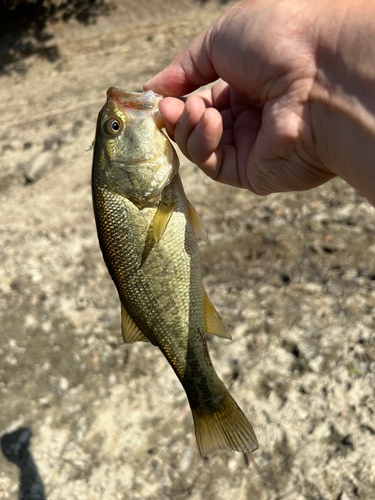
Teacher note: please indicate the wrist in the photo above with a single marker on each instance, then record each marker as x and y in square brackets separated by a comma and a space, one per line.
[342, 99]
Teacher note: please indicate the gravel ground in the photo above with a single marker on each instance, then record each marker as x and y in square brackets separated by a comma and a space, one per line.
[293, 276]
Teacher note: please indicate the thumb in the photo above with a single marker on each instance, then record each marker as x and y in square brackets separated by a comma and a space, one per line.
[190, 69]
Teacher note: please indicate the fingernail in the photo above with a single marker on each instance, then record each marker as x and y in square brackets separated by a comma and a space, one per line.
[185, 114]
[201, 124]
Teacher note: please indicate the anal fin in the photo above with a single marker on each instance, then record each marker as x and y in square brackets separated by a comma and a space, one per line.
[197, 223]
[213, 321]
[130, 332]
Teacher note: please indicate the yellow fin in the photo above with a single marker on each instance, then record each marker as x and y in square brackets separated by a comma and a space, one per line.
[213, 321]
[223, 427]
[161, 219]
[197, 223]
[130, 332]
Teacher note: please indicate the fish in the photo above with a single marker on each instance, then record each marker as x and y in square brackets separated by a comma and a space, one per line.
[148, 234]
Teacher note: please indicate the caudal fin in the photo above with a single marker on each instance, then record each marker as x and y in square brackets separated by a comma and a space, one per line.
[224, 427]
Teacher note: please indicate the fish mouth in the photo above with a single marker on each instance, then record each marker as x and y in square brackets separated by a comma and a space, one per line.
[120, 96]
[138, 105]
[135, 100]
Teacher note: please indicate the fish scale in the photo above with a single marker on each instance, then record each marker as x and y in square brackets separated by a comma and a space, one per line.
[147, 232]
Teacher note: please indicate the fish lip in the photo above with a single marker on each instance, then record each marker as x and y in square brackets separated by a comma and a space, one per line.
[116, 98]
[138, 105]
[117, 95]
[136, 100]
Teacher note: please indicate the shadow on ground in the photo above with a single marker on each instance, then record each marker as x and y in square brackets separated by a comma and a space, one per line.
[25, 27]
[15, 448]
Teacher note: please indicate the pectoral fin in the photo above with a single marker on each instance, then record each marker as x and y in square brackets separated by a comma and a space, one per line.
[130, 332]
[213, 322]
[197, 223]
[161, 219]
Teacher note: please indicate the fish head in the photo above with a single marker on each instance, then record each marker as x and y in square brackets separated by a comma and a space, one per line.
[132, 156]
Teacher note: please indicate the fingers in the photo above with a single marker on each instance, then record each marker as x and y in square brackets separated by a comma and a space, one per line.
[198, 130]
[188, 127]
[204, 139]
[171, 110]
[205, 144]
[218, 96]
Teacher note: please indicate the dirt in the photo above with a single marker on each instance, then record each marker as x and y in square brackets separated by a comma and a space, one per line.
[293, 276]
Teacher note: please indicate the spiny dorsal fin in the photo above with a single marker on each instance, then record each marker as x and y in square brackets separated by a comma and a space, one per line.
[197, 223]
[130, 332]
[213, 321]
[161, 219]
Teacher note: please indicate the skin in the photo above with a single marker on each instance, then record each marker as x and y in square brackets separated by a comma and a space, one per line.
[294, 105]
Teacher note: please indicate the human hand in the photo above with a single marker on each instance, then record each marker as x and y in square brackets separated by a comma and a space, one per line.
[267, 124]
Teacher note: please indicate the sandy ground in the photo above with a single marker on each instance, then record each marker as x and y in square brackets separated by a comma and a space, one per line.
[293, 276]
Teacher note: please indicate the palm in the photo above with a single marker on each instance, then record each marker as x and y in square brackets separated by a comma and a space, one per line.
[271, 147]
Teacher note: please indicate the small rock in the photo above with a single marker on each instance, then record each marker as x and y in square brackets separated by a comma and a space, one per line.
[292, 495]
[312, 287]
[321, 217]
[240, 330]
[186, 459]
[41, 165]
[46, 327]
[344, 496]
[316, 363]
[12, 344]
[45, 401]
[30, 321]
[64, 384]
[11, 360]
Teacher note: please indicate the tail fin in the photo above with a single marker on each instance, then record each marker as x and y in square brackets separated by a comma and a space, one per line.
[224, 427]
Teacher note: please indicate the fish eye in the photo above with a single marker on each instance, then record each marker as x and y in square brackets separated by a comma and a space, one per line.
[113, 126]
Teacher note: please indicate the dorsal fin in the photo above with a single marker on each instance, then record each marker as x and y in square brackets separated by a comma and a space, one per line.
[213, 321]
[130, 331]
[161, 219]
[197, 223]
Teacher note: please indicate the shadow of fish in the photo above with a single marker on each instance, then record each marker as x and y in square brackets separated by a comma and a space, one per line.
[148, 235]
[15, 448]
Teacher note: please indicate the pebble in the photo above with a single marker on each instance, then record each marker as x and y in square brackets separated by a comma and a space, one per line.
[316, 363]
[11, 360]
[41, 165]
[64, 384]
